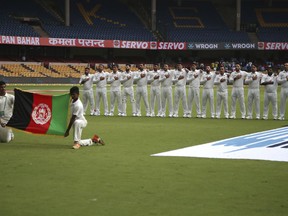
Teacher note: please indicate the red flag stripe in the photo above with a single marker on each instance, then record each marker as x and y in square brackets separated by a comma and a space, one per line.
[41, 114]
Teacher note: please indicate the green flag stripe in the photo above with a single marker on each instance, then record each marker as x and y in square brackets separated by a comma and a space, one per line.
[60, 105]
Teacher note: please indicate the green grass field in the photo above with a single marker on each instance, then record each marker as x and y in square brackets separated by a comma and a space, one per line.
[43, 176]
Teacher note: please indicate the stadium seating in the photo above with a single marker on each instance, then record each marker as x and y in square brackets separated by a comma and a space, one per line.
[34, 69]
[97, 19]
[196, 21]
[19, 70]
[104, 22]
[193, 21]
[9, 25]
[270, 19]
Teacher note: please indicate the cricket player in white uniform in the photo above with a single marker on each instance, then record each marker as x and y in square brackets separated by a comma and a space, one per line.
[127, 79]
[79, 122]
[88, 96]
[208, 91]
[237, 78]
[193, 80]
[270, 94]
[253, 79]
[179, 80]
[166, 90]
[283, 81]
[100, 79]
[155, 91]
[6, 111]
[141, 79]
[221, 80]
[115, 90]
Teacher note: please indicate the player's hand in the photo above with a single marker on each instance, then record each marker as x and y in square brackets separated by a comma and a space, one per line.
[195, 75]
[222, 80]
[128, 77]
[156, 77]
[142, 75]
[102, 78]
[208, 78]
[237, 76]
[254, 77]
[167, 75]
[116, 77]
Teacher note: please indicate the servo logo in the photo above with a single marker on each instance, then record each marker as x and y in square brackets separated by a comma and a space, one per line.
[41, 114]
[266, 145]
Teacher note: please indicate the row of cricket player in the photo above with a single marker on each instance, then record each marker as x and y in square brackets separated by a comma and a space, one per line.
[162, 81]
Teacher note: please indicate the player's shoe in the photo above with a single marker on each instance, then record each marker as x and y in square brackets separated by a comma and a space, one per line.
[96, 113]
[76, 146]
[97, 139]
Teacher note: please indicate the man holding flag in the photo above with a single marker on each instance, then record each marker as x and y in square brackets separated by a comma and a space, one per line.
[6, 110]
[39, 114]
[78, 122]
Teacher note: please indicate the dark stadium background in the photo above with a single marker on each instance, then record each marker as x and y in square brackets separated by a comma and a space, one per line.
[213, 31]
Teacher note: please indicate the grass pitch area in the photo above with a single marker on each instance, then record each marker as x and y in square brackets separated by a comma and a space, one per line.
[44, 176]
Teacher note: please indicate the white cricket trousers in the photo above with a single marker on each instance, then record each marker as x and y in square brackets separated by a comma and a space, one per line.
[101, 93]
[208, 94]
[270, 98]
[166, 95]
[77, 130]
[128, 92]
[253, 96]
[142, 92]
[115, 96]
[88, 97]
[180, 94]
[222, 98]
[238, 93]
[193, 95]
[6, 134]
[283, 97]
[155, 95]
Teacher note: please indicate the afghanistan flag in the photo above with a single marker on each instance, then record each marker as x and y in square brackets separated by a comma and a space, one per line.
[40, 114]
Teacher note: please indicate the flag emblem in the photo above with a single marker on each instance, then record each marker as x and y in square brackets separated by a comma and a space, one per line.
[41, 114]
